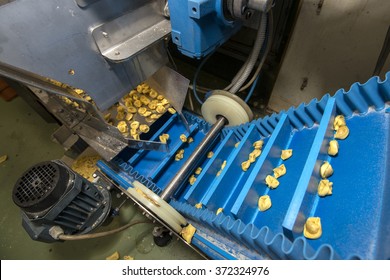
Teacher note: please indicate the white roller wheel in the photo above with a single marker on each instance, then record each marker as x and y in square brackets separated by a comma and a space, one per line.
[159, 211]
[172, 211]
[225, 104]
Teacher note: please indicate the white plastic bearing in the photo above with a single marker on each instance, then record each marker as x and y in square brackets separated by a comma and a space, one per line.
[225, 104]
[162, 210]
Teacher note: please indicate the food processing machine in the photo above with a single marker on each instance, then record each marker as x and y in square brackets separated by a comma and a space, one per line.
[290, 185]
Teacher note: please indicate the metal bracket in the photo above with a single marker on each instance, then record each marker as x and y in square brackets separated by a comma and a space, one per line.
[173, 86]
[128, 35]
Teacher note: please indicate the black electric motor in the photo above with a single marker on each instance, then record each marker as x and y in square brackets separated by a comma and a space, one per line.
[50, 194]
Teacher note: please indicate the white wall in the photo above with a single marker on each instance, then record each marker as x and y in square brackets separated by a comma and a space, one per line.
[333, 50]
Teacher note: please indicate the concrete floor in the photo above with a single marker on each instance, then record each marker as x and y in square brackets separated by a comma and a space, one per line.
[25, 139]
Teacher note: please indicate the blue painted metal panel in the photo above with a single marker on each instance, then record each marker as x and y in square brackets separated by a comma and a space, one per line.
[199, 26]
[355, 218]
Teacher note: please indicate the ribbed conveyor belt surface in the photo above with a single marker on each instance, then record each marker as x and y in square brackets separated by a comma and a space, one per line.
[355, 218]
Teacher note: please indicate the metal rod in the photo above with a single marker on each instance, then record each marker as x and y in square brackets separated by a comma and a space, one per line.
[47, 85]
[32, 79]
[199, 151]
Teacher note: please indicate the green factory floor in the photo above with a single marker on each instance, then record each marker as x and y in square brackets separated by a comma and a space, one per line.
[26, 139]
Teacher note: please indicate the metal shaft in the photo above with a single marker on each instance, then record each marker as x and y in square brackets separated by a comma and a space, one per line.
[260, 5]
[31, 79]
[199, 151]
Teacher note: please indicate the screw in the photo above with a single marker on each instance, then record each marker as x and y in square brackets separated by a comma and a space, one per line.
[117, 53]
[105, 34]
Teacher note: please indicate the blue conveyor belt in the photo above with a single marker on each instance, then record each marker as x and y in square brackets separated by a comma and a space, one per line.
[355, 218]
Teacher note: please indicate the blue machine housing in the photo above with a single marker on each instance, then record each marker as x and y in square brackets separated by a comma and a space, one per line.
[355, 218]
[199, 26]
